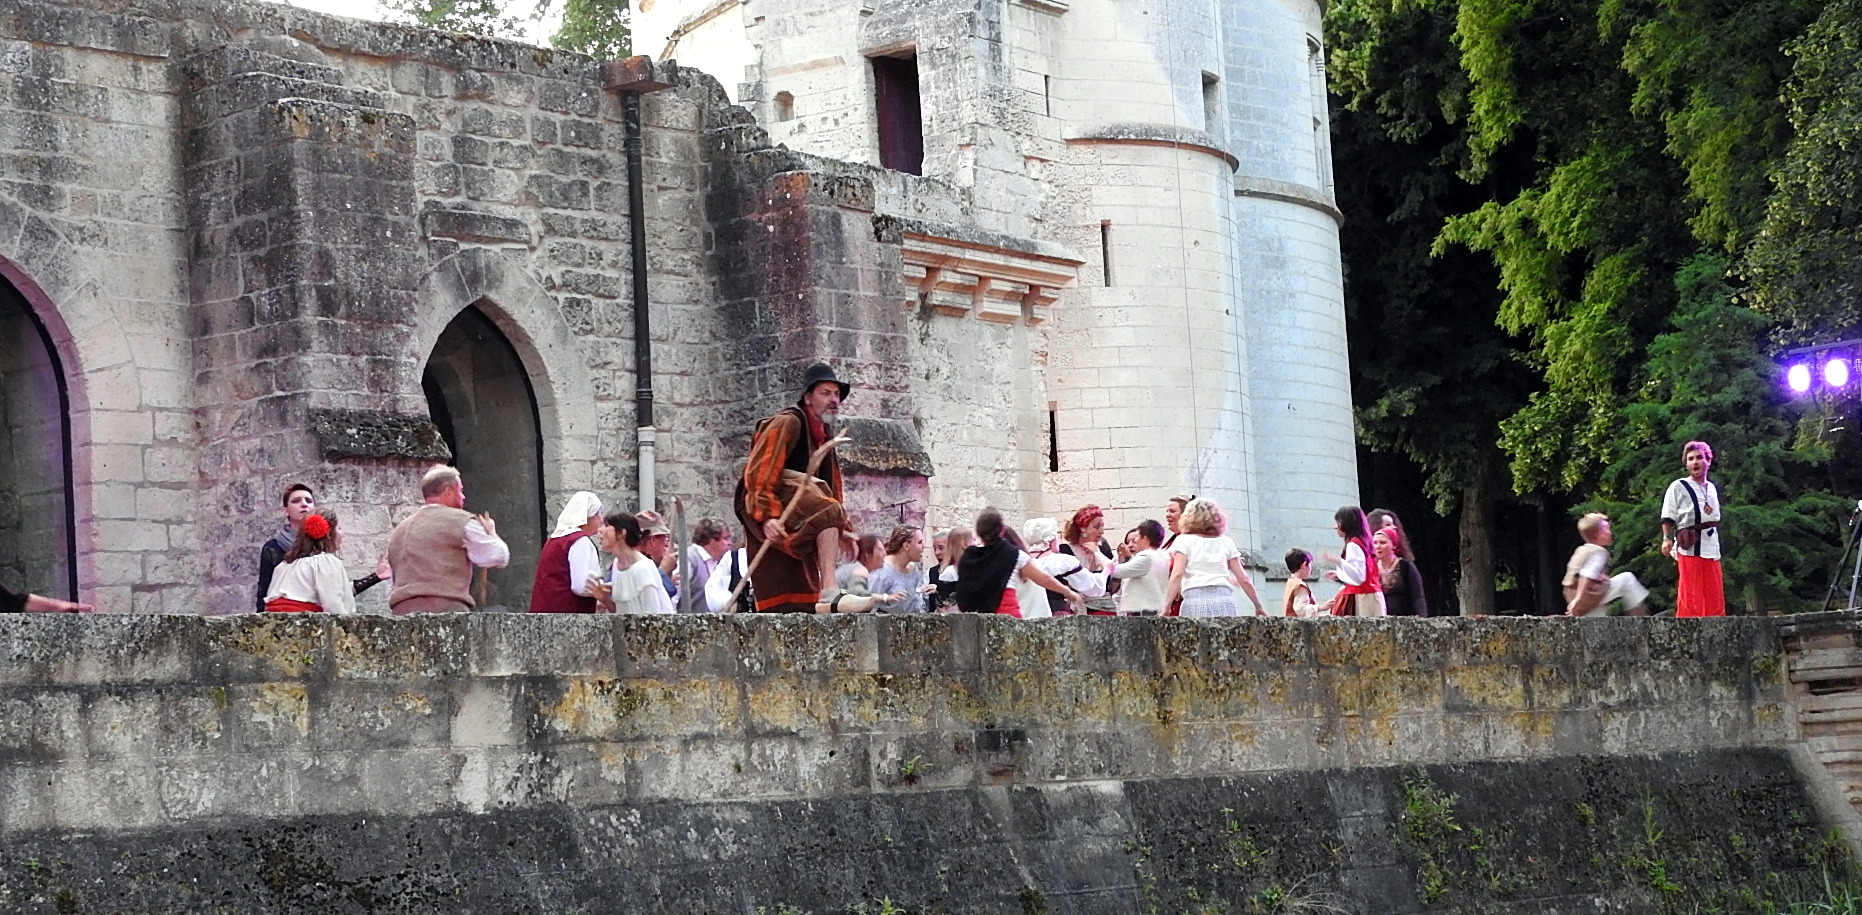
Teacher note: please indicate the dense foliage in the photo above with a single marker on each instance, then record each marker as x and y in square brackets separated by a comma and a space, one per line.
[598, 28]
[1612, 163]
[1806, 263]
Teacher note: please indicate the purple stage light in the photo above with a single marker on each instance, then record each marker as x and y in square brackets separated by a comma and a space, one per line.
[1798, 377]
[1836, 372]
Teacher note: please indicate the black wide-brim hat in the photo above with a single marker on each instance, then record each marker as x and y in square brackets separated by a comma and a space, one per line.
[820, 372]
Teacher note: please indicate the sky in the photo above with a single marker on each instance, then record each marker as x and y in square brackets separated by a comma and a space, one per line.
[538, 32]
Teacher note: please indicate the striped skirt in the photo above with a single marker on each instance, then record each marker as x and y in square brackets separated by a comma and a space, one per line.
[1214, 600]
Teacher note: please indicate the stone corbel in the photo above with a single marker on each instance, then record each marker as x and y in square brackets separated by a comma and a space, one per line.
[995, 279]
[1036, 301]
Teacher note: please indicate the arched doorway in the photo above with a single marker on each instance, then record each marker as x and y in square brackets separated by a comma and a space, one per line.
[38, 543]
[479, 395]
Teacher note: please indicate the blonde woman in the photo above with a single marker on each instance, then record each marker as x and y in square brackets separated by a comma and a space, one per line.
[1205, 566]
[957, 540]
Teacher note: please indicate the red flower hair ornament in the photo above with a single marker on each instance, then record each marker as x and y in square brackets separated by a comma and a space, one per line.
[316, 527]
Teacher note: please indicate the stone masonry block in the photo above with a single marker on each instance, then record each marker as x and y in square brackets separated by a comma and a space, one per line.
[106, 795]
[368, 716]
[544, 645]
[162, 721]
[96, 650]
[41, 725]
[649, 646]
[388, 649]
[262, 648]
[264, 718]
[797, 645]
[1486, 686]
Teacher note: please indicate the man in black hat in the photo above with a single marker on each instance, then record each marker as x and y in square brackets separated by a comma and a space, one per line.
[797, 574]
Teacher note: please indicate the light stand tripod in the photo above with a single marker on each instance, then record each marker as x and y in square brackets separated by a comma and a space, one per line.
[1855, 576]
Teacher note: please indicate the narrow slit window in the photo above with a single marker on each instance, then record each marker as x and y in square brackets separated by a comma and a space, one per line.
[1321, 133]
[1105, 249]
[1212, 105]
[1047, 95]
[900, 114]
[1053, 438]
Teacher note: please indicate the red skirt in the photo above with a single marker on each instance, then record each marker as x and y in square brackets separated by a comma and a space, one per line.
[1010, 605]
[287, 605]
[1701, 591]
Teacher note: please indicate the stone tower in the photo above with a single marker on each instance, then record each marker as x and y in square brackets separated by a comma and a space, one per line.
[1137, 291]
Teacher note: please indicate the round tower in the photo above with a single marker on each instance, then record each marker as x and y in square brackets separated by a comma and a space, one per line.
[1150, 358]
[1291, 287]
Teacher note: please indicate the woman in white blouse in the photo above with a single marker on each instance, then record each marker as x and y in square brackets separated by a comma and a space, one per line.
[1363, 589]
[633, 584]
[1205, 566]
[311, 579]
[1144, 570]
[1691, 534]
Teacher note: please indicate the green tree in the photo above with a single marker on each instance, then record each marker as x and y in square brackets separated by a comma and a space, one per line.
[1805, 265]
[1585, 247]
[1606, 145]
[1432, 372]
[598, 28]
[487, 18]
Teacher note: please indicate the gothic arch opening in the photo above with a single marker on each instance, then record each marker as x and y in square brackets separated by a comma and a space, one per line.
[480, 396]
[38, 541]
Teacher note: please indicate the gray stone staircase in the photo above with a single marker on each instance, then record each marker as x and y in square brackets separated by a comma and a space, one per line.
[1823, 657]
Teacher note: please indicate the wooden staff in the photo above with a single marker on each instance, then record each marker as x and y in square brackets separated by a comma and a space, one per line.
[814, 463]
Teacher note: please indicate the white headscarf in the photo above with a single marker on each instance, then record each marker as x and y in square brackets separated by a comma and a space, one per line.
[582, 506]
[1038, 533]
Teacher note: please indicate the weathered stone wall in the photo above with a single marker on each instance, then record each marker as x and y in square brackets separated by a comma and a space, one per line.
[91, 234]
[951, 763]
[247, 227]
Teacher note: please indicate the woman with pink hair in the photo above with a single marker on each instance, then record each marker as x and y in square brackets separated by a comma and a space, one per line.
[1691, 534]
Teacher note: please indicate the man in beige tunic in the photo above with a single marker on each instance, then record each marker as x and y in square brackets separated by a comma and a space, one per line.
[439, 544]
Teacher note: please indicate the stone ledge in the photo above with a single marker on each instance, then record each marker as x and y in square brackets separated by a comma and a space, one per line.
[1287, 192]
[885, 446]
[364, 434]
[473, 226]
[1170, 135]
[1832, 622]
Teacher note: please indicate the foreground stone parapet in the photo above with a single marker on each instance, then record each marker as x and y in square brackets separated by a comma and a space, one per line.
[815, 762]
[143, 723]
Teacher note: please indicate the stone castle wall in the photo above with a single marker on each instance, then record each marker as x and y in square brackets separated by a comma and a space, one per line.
[951, 764]
[1182, 144]
[247, 229]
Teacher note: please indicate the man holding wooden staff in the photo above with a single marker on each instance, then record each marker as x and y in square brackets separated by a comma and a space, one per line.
[792, 467]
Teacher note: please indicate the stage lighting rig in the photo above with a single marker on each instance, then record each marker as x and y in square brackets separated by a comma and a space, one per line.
[1825, 369]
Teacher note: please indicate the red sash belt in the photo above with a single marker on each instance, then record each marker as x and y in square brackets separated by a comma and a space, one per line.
[287, 605]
